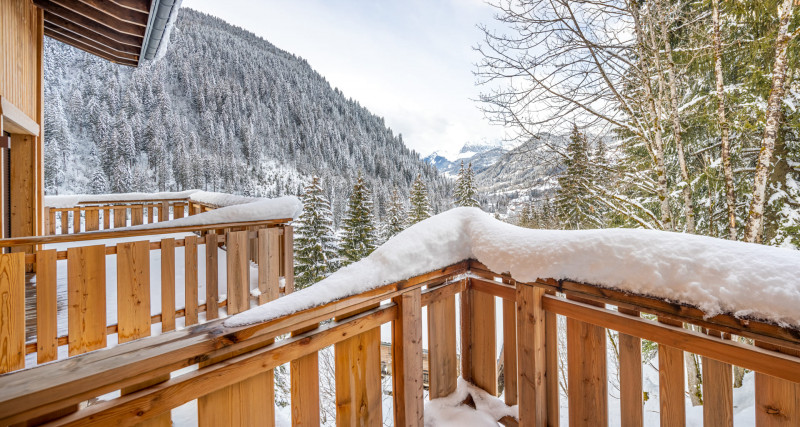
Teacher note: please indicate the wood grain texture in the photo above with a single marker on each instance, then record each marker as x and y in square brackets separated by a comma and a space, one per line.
[777, 400]
[167, 284]
[586, 375]
[407, 385]
[238, 271]
[288, 258]
[22, 185]
[12, 312]
[92, 220]
[65, 222]
[358, 380]
[46, 309]
[86, 298]
[442, 357]
[212, 277]
[268, 264]
[304, 372]
[106, 219]
[190, 275]
[120, 217]
[671, 384]
[133, 290]
[551, 368]
[177, 211]
[630, 378]
[509, 352]
[137, 215]
[531, 378]
[482, 340]
[717, 391]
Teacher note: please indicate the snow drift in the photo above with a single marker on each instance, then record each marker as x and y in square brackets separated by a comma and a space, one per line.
[714, 275]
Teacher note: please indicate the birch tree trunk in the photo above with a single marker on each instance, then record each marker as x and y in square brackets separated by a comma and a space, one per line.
[688, 204]
[755, 223]
[650, 102]
[730, 195]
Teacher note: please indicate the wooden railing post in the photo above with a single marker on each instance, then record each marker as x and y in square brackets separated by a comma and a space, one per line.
[717, 391]
[288, 258]
[479, 339]
[531, 377]
[86, 288]
[672, 396]
[777, 400]
[358, 377]
[586, 375]
[442, 357]
[407, 360]
[12, 311]
[630, 377]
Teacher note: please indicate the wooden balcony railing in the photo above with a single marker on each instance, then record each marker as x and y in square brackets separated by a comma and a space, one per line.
[233, 379]
[92, 215]
[64, 305]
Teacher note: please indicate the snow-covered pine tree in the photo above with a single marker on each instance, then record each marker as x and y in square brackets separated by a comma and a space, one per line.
[395, 216]
[466, 193]
[420, 205]
[358, 225]
[572, 202]
[315, 251]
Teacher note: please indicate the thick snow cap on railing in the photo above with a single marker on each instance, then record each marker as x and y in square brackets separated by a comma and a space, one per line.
[714, 275]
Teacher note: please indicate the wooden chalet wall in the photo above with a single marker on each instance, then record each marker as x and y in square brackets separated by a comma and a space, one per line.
[21, 79]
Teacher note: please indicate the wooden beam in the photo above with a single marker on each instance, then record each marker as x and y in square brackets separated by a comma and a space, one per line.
[92, 17]
[85, 43]
[12, 312]
[630, 377]
[15, 121]
[407, 360]
[68, 15]
[119, 12]
[137, 5]
[442, 357]
[57, 21]
[89, 49]
[587, 385]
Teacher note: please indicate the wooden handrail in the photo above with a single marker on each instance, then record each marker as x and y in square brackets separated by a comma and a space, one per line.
[128, 232]
[46, 388]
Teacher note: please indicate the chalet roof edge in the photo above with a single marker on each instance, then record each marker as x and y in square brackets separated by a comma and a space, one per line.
[163, 14]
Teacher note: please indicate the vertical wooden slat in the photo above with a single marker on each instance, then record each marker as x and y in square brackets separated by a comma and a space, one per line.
[137, 215]
[212, 277]
[46, 310]
[106, 218]
[532, 384]
[190, 275]
[288, 258]
[551, 368]
[630, 377]
[268, 264]
[133, 308]
[163, 212]
[777, 400]
[92, 219]
[442, 358]
[177, 210]
[407, 387]
[86, 285]
[133, 290]
[120, 217]
[358, 378]
[76, 220]
[238, 271]
[586, 376]
[12, 311]
[671, 385]
[480, 365]
[510, 352]
[167, 284]
[51, 221]
[717, 391]
[150, 216]
[304, 374]
[64, 222]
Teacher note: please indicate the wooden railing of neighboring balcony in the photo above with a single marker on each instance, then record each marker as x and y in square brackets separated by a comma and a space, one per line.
[92, 215]
[267, 242]
[234, 380]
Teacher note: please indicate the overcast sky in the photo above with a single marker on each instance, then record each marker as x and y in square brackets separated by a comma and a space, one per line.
[410, 61]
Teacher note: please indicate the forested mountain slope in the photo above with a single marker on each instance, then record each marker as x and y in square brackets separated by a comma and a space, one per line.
[223, 110]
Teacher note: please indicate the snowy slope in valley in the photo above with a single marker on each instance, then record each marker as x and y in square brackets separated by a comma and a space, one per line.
[715, 275]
